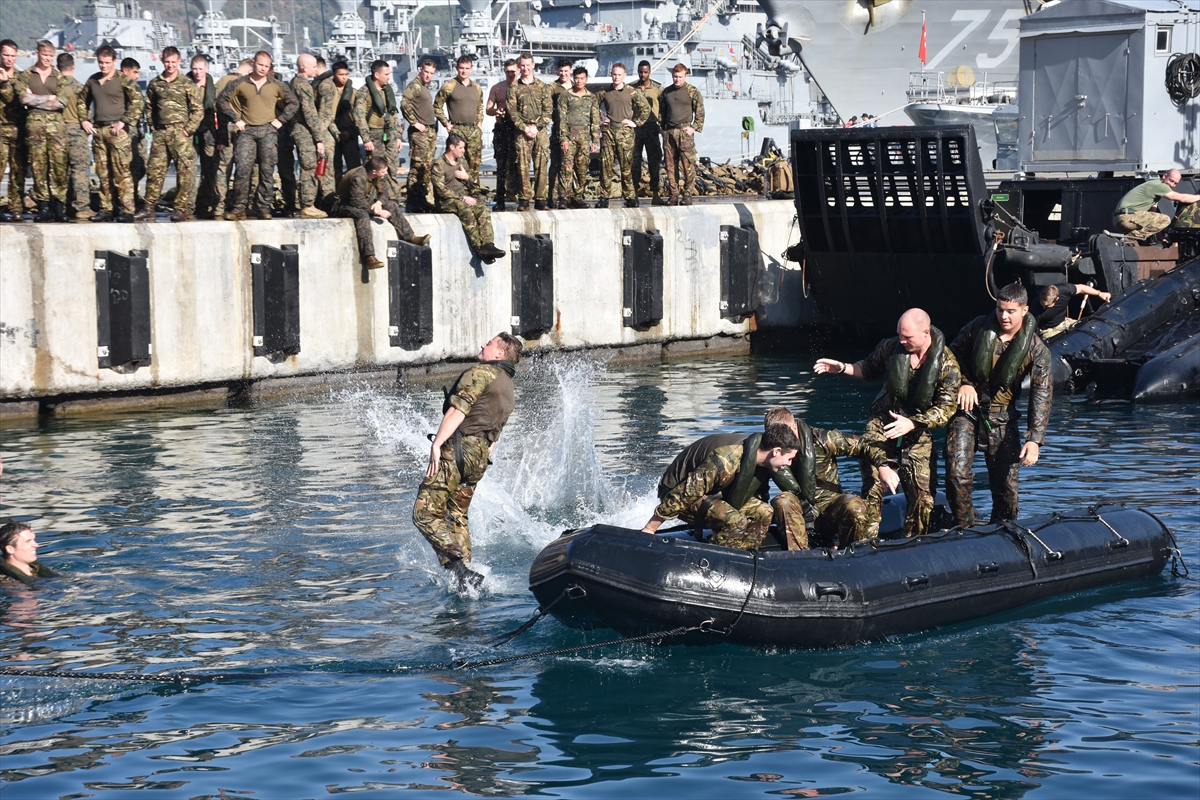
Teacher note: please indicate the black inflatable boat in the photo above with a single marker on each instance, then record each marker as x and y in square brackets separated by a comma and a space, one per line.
[635, 583]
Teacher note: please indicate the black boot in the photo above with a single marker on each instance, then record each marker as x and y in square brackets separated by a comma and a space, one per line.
[44, 214]
[59, 211]
[464, 575]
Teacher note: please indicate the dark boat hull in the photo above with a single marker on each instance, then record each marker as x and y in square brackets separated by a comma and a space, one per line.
[634, 583]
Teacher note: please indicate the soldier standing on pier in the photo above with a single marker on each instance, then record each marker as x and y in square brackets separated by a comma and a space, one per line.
[204, 197]
[919, 394]
[226, 140]
[996, 352]
[559, 87]
[46, 141]
[335, 102]
[79, 150]
[530, 108]
[476, 410]
[132, 69]
[459, 107]
[258, 106]
[648, 136]
[503, 134]
[416, 104]
[682, 108]
[12, 120]
[378, 119]
[624, 109]
[116, 105]
[577, 118]
[306, 133]
[454, 193]
[176, 107]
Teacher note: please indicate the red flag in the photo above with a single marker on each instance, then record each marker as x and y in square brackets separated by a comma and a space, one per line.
[921, 53]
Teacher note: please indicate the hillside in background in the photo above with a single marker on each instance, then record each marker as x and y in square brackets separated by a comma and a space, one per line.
[25, 21]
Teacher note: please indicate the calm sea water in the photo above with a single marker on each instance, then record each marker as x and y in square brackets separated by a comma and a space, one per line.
[278, 538]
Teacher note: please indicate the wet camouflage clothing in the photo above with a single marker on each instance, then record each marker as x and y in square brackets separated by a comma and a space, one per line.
[222, 180]
[999, 438]
[12, 148]
[355, 195]
[176, 109]
[648, 139]
[449, 191]
[679, 149]
[914, 450]
[112, 151]
[578, 122]
[45, 138]
[470, 123]
[617, 140]
[440, 510]
[840, 518]
[531, 104]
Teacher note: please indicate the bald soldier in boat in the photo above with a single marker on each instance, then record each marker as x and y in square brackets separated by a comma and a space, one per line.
[919, 394]
[718, 487]
[997, 351]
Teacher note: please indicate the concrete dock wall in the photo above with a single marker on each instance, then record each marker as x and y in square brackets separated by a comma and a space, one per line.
[202, 305]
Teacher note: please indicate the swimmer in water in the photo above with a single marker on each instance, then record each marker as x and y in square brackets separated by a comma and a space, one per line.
[19, 545]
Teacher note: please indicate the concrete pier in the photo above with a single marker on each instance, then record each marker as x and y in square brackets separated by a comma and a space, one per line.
[201, 300]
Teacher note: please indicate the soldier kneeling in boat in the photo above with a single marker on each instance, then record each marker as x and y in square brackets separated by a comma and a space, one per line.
[18, 544]
[718, 487]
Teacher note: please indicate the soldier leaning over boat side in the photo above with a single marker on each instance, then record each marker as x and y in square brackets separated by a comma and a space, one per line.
[996, 352]
[476, 409]
[718, 488]
[12, 123]
[919, 394]
[1135, 214]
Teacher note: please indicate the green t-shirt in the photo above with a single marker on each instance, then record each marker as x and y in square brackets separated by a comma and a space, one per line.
[1144, 197]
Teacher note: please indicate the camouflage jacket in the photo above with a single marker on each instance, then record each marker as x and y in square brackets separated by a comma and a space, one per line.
[177, 102]
[74, 112]
[1037, 365]
[573, 112]
[20, 84]
[308, 116]
[364, 109]
[443, 95]
[530, 104]
[339, 111]
[641, 109]
[697, 104]
[416, 104]
[717, 473]
[827, 446]
[357, 190]
[134, 103]
[945, 393]
[12, 112]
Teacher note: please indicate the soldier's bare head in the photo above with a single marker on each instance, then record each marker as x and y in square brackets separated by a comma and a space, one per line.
[778, 447]
[200, 67]
[1012, 301]
[913, 330]
[778, 415]
[502, 347]
[66, 63]
[262, 64]
[376, 166]
[1172, 178]
[106, 59]
[8, 54]
[306, 65]
[381, 73]
[170, 61]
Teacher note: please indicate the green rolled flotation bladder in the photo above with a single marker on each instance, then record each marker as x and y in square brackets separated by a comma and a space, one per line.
[916, 394]
[1009, 366]
[745, 484]
[804, 465]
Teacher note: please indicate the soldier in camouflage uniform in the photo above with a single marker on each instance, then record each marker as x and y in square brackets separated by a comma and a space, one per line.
[454, 194]
[416, 104]
[132, 69]
[842, 518]
[722, 491]
[79, 150]
[504, 135]
[530, 110]
[12, 120]
[996, 352]
[176, 108]
[557, 88]
[258, 106]
[648, 137]
[116, 104]
[378, 120]
[577, 118]
[226, 141]
[307, 131]
[204, 197]
[476, 410]
[363, 193]
[915, 399]
[335, 102]
[465, 114]
[681, 107]
[623, 108]
[45, 96]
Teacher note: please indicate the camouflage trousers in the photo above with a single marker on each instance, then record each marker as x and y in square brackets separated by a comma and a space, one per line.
[679, 152]
[363, 225]
[222, 181]
[473, 138]
[537, 151]
[172, 143]
[301, 149]
[649, 139]
[1143, 224]
[203, 200]
[440, 512]
[573, 174]
[46, 143]
[916, 477]
[112, 153]
[476, 220]
[504, 147]
[79, 169]
[391, 152]
[745, 528]
[12, 157]
[1001, 448]
[842, 522]
[256, 144]
[616, 153]
[422, 152]
[137, 160]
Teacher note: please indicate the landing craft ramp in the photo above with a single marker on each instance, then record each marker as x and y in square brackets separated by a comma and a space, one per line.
[893, 218]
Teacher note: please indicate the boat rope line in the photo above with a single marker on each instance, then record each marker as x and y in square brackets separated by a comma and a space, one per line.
[707, 625]
[574, 591]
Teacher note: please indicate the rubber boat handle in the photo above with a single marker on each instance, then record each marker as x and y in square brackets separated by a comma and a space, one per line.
[920, 581]
[984, 567]
[837, 590]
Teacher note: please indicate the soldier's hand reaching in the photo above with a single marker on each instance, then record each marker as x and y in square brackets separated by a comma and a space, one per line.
[967, 397]
[890, 478]
[898, 427]
[1030, 453]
